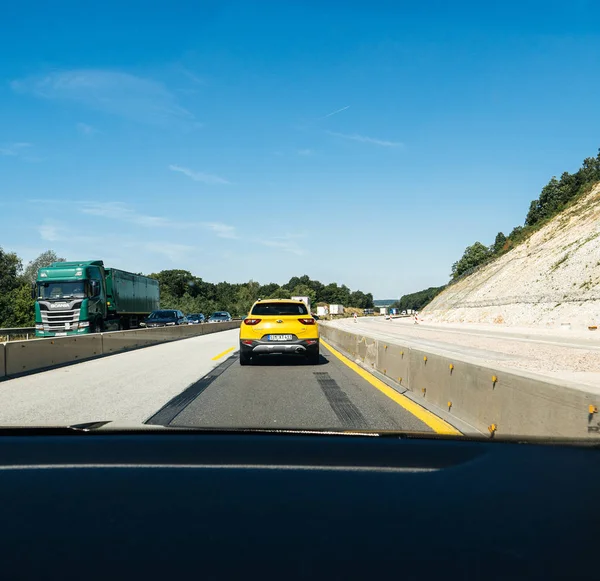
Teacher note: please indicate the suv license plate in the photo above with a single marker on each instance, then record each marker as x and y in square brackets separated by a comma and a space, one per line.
[280, 337]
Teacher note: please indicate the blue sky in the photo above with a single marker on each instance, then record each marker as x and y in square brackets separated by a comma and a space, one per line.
[366, 143]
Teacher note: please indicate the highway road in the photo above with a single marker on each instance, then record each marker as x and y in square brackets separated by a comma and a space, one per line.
[198, 382]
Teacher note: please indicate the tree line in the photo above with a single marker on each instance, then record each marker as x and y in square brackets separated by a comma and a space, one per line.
[16, 304]
[555, 196]
[416, 301]
[179, 289]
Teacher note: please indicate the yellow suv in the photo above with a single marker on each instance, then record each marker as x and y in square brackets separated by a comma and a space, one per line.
[279, 326]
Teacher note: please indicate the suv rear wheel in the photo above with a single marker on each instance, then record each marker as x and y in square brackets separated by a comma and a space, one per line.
[313, 357]
[244, 358]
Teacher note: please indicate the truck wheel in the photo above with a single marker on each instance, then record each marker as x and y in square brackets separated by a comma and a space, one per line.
[93, 327]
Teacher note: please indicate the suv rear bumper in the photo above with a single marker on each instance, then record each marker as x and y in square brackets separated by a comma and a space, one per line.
[298, 346]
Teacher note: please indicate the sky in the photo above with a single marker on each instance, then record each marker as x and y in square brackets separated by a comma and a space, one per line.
[363, 143]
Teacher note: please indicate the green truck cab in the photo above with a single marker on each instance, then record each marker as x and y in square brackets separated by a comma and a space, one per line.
[75, 298]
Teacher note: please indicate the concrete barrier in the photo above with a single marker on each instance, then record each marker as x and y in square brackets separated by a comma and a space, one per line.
[509, 402]
[118, 341]
[19, 357]
[2, 361]
[32, 355]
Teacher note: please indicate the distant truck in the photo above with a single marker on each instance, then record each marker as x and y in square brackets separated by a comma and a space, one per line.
[77, 298]
[322, 311]
[336, 309]
[305, 300]
[383, 310]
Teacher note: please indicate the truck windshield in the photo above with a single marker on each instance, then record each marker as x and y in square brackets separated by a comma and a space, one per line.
[61, 290]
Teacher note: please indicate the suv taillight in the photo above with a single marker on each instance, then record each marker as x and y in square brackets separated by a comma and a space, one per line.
[252, 321]
[307, 321]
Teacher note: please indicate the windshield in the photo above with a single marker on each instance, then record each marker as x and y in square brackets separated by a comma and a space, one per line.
[279, 309]
[61, 290]
[388, 212]
[163, 315]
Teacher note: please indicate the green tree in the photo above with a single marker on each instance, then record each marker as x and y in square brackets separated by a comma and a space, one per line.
[499, 243]
[10, 280]
[473, 256]
[245, 298]
[516, 233]
[267, 290]
[22, 311]
[280, 293]
[416, 301]
[303, 290]
[174, 283]
[44, 259]
[358, 299]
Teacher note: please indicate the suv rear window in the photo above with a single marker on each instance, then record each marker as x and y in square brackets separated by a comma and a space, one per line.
[279, 309]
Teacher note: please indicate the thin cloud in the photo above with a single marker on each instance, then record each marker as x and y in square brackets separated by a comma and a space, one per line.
[221, 230]
[122, 212]
[191, 76]
[14, 149]
[199, 176]
[283, 244]
[53, 231]
[135, 98]
[305, 152]
[335, 112]
[86, 129]
[49, 232]
[176, 253]
[365, 139]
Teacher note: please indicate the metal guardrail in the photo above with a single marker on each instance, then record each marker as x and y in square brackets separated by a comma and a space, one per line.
[13, 332]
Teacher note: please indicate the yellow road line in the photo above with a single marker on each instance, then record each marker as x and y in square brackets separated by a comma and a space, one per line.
[224, 353]
[436, 424]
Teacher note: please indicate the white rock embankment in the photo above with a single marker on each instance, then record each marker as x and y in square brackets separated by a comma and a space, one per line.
[551, 280]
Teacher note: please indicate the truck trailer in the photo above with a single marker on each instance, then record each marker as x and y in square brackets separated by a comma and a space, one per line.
[76, 298]
[305, 300]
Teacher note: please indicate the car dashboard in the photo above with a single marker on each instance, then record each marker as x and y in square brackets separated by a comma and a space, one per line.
[294, 505]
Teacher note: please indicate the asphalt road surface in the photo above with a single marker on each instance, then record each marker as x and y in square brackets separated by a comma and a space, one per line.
[199, 382]
[282, 391]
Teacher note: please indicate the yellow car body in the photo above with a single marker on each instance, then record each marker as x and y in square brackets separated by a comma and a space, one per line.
[281, 326]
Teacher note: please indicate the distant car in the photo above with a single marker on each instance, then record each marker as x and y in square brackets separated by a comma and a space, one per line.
[387, 317]
[164, 318]
[196, 319]
[220, 317]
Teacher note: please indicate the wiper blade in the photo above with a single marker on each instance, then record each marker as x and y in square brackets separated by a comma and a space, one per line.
[87, 426]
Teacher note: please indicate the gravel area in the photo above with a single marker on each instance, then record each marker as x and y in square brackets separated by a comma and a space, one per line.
[550, 280]
[573, 357]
